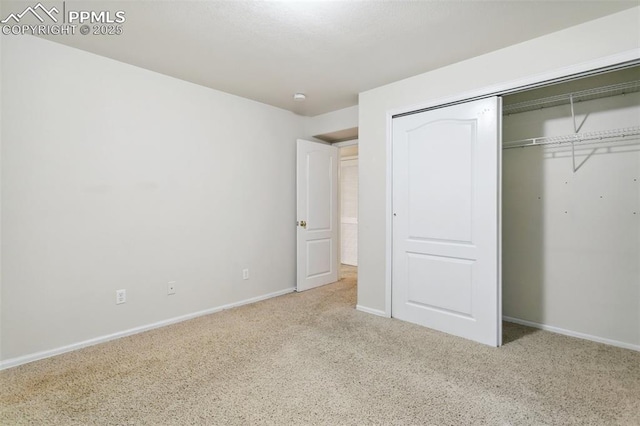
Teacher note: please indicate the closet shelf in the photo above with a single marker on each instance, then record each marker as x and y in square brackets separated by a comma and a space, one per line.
[583, 95]
[604, 136]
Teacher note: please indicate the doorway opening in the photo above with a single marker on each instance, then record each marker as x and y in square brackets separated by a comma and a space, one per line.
[570, 198]
[348, 199]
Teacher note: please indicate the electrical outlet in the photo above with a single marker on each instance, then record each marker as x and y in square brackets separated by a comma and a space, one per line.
[245, 274]
[121, 296]
[171, 287]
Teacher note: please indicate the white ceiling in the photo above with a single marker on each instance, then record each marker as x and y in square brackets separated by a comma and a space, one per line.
[330, 50]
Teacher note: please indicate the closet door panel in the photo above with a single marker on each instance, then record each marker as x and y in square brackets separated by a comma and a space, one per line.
[446, 184]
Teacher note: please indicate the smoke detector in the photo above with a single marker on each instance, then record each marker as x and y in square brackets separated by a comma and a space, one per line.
[299, 97]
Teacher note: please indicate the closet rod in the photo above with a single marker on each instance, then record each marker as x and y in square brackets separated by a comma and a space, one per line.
[604, 136]
[583, 95]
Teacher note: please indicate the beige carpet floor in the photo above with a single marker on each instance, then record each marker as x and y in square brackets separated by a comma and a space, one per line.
[311, 358]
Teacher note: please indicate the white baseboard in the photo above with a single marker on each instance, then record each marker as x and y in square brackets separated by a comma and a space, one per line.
[371, 311]
[573, 333]
[14, 362]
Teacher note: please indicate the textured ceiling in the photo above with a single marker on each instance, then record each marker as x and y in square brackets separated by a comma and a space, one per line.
[330, 50]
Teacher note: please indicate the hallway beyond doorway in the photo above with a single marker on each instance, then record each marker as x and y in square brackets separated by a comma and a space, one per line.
[348, 272]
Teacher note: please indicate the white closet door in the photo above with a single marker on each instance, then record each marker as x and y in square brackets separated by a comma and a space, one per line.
[446, 228]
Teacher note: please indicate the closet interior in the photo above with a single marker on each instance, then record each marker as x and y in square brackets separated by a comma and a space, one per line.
[571, 207]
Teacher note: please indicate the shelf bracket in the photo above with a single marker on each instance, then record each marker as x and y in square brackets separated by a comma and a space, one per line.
[573, 114]
[575, 132]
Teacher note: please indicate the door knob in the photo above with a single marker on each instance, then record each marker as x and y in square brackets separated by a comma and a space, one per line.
[303, 224]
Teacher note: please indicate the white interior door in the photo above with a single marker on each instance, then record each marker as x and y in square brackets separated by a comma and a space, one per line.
[446, 224]
[317, 199]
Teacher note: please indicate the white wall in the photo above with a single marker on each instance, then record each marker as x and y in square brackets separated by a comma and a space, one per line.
[333, 121]
[571, 241]
[593, 40]
[115, 177]
[1, 122]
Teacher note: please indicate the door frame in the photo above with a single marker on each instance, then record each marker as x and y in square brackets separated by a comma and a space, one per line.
[598, 66]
